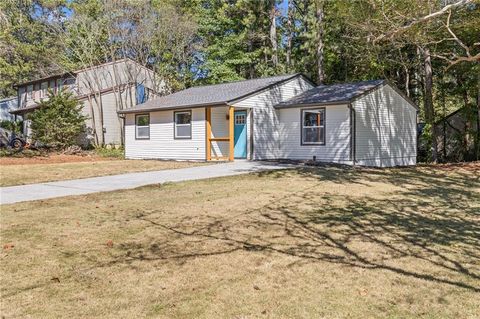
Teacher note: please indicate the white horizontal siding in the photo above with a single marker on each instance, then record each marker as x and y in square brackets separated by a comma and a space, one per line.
[385, 129]
[337, 136]
[266, 122]
[162, 144]
[220, 129]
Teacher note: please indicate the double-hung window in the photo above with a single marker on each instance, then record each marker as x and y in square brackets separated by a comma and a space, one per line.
[183, 124]
[142, 126]
[313, 126]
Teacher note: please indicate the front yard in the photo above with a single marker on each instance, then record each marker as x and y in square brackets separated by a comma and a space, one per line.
[322, 242]
[20, 171]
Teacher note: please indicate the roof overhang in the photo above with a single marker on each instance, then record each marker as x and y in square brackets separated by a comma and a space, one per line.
[292, 106]
[48, 78]
[348, 101]
[170, 108]
[24, 110]
[211, 104]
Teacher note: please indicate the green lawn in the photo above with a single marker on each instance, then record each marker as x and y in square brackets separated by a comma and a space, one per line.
[306, 243]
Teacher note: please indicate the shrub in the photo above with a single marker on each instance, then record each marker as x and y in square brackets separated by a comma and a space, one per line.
[13, 126]
[58, 121]
[112, 152]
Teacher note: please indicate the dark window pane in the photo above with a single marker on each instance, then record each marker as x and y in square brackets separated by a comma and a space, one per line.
[183, 118]
[143, 120]
[313, 135]
[239, 119]
[141, 97]
[313, 118]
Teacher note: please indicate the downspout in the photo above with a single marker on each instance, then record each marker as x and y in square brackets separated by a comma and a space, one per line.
[352, 134]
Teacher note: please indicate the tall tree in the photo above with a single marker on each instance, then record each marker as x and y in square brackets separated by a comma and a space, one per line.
[273, 33]
[319, 15]
[27, 47]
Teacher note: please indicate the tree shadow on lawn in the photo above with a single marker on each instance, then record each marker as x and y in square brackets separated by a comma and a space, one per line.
[430, 230]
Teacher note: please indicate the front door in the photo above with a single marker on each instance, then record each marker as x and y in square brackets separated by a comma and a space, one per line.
[240, 134]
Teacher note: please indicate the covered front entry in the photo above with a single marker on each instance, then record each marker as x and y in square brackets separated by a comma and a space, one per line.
[226, 133]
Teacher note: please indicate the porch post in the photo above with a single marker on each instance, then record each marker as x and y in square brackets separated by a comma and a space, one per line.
[230, 135]
[208, 133]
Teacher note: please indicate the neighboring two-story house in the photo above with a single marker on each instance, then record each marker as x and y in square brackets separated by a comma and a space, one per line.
[6, 106]
[103, 90]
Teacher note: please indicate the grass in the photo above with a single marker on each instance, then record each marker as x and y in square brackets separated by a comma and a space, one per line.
[306, 243]
[38, 173]
[22, 153]
[110, 152]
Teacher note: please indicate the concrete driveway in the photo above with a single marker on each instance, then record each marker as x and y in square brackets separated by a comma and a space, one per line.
[22, 193]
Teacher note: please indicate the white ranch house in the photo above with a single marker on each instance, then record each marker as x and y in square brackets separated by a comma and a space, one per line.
[283, 117]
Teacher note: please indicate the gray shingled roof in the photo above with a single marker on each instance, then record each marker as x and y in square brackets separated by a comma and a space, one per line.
[209, 95]
[331, 94]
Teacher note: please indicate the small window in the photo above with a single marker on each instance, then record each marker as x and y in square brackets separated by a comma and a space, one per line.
[43, 89]
[183, 124]
[142, 126]
[29, 92]
[59, 85]
[313, 126]
[141, 96]
[239, 119]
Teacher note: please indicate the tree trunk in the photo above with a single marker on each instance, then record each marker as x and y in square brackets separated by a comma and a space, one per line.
[290, 18]
[428, 100]
[477, 145]
[319, 15]
[273, 34]
[407, 80]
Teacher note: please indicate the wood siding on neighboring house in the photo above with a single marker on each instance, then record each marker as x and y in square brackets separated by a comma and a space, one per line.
[113, 84]
[385, 129]
[7, 105]
[266, 131]
[161, 144]
[337, 135]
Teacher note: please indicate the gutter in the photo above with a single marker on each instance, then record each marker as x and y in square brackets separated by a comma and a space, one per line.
[292, 106]
[353, 135]
[180, 107]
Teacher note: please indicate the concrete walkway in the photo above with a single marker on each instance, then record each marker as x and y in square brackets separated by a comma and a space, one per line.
[22, 193]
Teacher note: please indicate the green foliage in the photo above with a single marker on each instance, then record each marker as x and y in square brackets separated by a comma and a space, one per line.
[13, 126]
[29, 47]
[110, 152]
[23, 152]
[59, 121]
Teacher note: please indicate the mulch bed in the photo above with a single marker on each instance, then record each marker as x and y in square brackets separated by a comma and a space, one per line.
[473, 167]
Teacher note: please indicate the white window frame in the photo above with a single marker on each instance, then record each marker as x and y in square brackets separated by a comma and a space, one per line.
[142, 126]
[322, 127]
[175, 125]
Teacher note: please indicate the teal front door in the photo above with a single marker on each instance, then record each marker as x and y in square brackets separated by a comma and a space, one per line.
[240, 134]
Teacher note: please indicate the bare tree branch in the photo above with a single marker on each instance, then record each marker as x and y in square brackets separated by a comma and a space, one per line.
[397, 31]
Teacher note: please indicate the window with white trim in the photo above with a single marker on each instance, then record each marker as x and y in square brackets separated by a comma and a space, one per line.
[313, 126]
[183, 124]
[142, 126]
